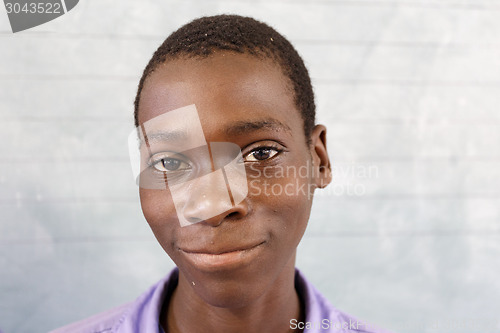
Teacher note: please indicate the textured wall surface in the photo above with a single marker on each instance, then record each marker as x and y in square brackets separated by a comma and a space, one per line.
[406, 237]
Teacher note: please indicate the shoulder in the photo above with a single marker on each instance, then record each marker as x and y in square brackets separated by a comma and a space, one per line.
[104, 322]
[141, 315]
[321, 316]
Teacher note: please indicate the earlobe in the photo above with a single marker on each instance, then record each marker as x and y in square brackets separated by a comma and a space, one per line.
[322, 168]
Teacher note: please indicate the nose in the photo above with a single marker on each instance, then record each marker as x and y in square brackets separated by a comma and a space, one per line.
[209, 200]
[234, 211]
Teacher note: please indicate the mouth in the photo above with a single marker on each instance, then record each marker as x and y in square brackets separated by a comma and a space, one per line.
[222, 259]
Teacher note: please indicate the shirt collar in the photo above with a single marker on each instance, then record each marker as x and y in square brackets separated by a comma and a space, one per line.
[144, 315]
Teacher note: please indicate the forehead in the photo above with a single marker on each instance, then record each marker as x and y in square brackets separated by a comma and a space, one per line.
[225, 87]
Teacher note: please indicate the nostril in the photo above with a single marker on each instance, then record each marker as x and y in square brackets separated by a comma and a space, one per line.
[232, 214]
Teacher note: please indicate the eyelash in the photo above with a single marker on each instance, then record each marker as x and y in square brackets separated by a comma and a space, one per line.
[157, 160]
[278, 151]
[154, 161]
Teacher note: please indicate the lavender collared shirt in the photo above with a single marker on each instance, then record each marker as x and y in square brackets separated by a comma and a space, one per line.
[142, 315]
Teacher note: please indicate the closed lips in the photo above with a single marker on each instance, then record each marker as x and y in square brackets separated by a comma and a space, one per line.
[227, 258]
[222, 250]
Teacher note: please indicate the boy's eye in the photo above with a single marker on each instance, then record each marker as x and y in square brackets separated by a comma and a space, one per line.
[260, 154]
[169, 164]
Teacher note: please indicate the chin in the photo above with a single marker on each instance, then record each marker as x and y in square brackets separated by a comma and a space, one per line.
[230, 295]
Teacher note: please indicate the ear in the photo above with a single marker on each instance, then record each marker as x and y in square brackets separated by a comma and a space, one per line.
[322, 175]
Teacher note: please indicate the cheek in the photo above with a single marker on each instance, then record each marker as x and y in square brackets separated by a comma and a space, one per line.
[296, 209]
[287, 199]
[159, 212]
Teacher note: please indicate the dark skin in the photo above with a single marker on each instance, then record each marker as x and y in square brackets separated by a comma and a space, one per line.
[247, 101]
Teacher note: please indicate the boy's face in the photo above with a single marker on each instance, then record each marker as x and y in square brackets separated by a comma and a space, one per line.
[232, 258]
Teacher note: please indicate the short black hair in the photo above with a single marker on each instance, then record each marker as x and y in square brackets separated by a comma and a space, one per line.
[204, 36]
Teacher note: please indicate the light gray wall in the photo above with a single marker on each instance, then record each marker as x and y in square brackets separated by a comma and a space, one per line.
[407, 235]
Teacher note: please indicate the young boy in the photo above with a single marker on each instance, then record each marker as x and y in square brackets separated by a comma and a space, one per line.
[225, 122]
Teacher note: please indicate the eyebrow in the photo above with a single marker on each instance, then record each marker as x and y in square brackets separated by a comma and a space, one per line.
[162, 137]
[244, 127]
[236, 128]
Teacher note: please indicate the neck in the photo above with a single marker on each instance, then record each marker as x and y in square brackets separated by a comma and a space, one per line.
[270, 312]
